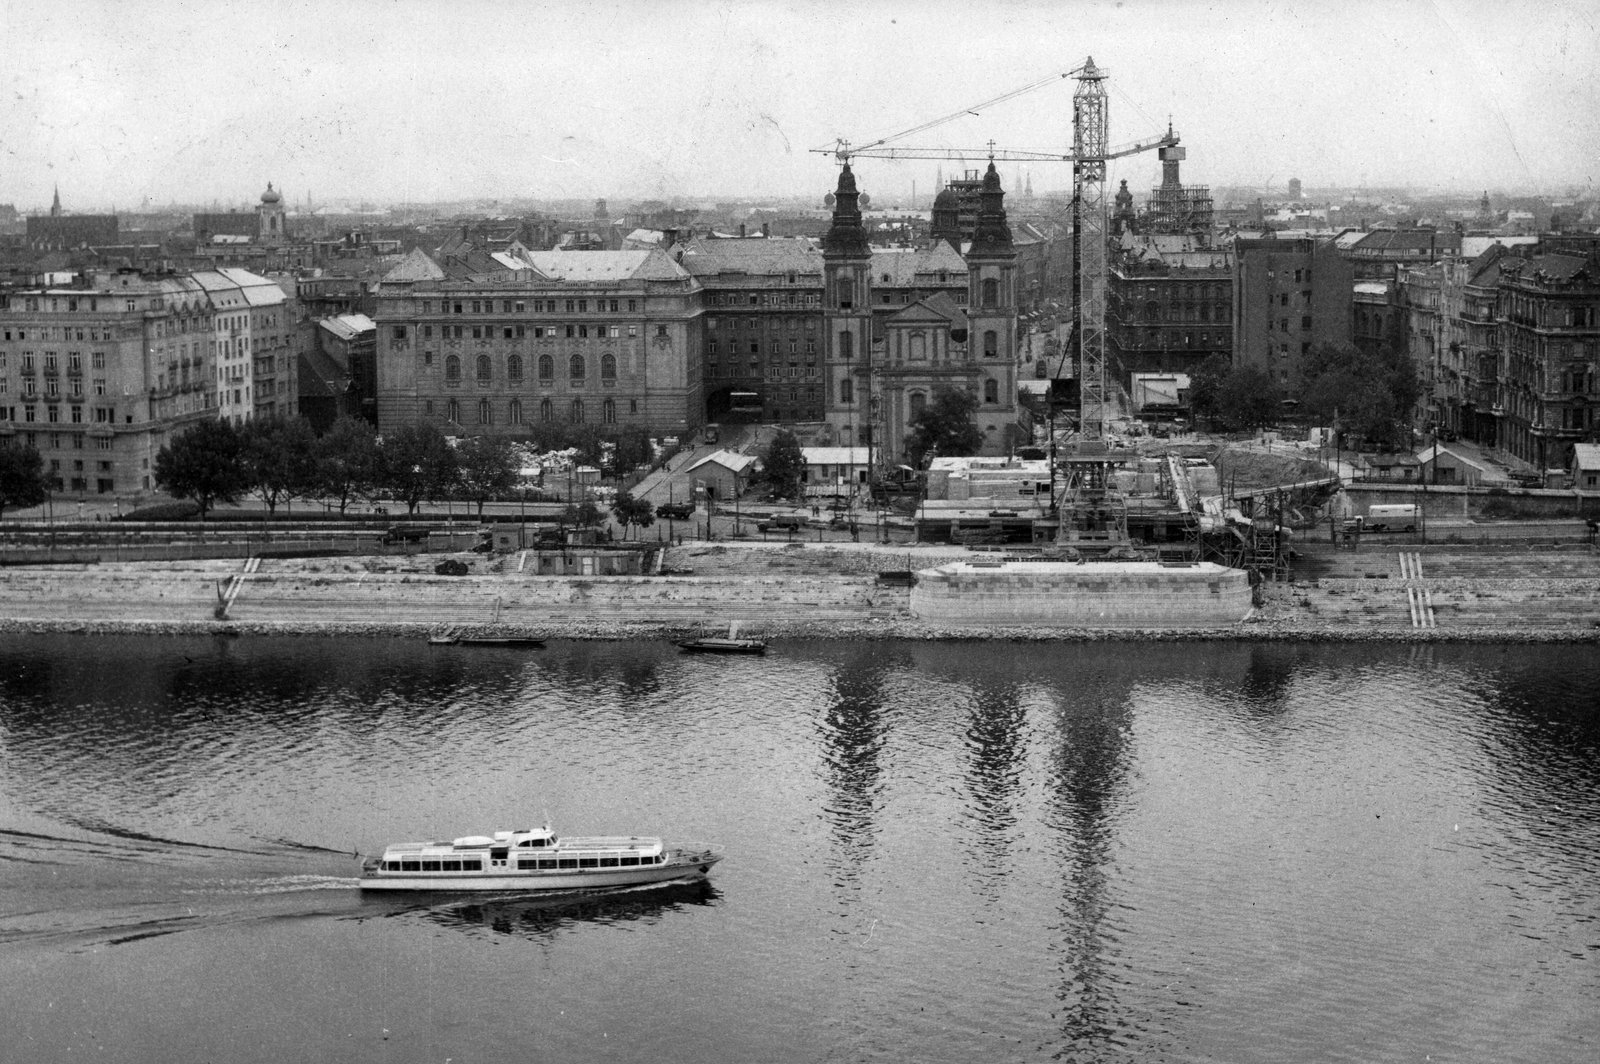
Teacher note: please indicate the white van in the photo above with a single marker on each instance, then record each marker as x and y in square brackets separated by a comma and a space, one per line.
[1388, 518]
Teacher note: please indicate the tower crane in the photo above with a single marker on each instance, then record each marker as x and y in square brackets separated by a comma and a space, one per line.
[1089, 155]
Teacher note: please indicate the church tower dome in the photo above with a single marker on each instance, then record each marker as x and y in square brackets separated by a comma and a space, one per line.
[269, 196]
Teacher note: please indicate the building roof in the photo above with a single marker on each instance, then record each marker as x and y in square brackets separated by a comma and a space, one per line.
[1429, 455]
[348, 326]
[835, 455]
[730, 460]
[1406, 242]
[756, 255]
[1586, 456]
[651, 264]
[416, 266]
[905, 267]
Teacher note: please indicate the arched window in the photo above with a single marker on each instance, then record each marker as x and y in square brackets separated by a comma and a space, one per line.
[608, 367]
[547, 369]
[608, 411]
[991, 344]
[576, 368]
[991, 391]
[577, 411]
[452, 368]
[847, 390]
[484, 413]
[485, 369]
[545, 413]
[919, 403]
[991, 292]
[846, 289]
[514, 412]
[514, 368]
[453, 411]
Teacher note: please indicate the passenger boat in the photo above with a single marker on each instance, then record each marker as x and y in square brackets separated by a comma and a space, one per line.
[531, 860]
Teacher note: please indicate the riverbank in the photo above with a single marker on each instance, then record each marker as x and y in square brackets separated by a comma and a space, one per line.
[776, 591]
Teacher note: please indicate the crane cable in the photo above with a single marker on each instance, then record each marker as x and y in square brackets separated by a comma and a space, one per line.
[952, 116]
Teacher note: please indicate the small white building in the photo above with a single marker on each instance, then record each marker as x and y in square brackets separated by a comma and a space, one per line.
[834, 470]
[1586, 468]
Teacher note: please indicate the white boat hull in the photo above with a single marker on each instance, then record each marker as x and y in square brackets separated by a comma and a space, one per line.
[678, 866]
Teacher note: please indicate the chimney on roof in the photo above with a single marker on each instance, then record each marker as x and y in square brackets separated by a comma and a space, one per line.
[669, 237]
[766, 229]
[741, 230]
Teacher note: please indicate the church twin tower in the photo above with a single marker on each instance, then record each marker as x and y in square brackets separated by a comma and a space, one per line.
[879, 374]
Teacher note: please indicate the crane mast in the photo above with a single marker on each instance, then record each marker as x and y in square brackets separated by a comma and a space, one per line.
[1089, 247]
[1089, 155]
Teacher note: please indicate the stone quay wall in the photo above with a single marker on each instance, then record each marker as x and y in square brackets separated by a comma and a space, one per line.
[1098, 595]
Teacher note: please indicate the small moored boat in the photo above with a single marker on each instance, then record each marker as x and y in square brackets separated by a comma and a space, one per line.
[727, 644]
[499, 641]
[535, 859]
[723, 645]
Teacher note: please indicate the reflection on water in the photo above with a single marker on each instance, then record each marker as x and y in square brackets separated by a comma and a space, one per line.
[934, 852]
[541, 916]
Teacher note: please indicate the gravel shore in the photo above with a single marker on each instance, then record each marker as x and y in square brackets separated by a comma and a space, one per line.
[1252, 630]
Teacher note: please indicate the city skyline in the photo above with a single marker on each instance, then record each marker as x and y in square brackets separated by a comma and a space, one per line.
[415, 102]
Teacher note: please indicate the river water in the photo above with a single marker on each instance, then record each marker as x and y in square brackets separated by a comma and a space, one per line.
[935, 851]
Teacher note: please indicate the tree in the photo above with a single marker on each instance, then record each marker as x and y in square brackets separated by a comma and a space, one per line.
[631, 511]
[347, 460]
[784, 464]
[488, 466]
[22, 480]
[1370, 392]
[944, 427]
[417, 464]
[581, 515]
[1248, 399]
[279, 459]
[205, 463]
[633, 449]
[1205, 385]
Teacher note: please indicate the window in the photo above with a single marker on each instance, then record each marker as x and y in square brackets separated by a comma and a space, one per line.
[991, 391]
[452, 368]
[1305, 322]
[577, 411]
[919, 403]
[576, 368]
[484, 412]
[514, 412]
[847, 390]
[847, 343]
[991, 344]
[399, 332]
[608, 367]
[845, 291]
[608, 411]
[514, 368]
[545, 410]
[547, 369]
[453, 411]
[991, 292]
[485, 369]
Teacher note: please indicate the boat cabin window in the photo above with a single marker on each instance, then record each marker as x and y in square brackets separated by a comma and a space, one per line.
[498, 853]
[472, 864]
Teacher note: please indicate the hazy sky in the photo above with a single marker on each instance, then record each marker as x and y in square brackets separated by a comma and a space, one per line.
[202, 101]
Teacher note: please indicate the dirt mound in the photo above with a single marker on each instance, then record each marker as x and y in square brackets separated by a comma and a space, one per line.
[1241, 470]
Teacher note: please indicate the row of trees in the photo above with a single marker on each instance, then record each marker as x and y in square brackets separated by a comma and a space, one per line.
[282, 460]
[1370, 393]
